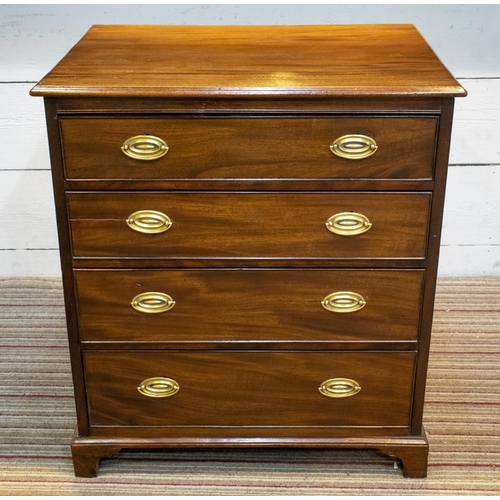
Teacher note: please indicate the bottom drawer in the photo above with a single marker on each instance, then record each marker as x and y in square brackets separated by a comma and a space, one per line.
[241, 388]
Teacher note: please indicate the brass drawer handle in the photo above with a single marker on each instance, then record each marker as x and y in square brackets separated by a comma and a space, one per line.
[343, 302]
[354, 146]
[158, 387]
[152, 302]
[339, 388]
[149, 221]
[348, 224]
[145, 147]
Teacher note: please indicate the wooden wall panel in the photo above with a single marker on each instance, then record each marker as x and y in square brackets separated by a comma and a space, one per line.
[27, 210]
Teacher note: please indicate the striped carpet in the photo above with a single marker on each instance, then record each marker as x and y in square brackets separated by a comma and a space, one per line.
[462, 416]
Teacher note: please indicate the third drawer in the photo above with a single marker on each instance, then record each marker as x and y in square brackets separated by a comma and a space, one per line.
[249, 305]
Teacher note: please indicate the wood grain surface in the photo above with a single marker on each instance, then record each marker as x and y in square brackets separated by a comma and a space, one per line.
[254, 384]
[248, 148]
[250, 60]
[245, 305]
[249, 225]
[249, 388]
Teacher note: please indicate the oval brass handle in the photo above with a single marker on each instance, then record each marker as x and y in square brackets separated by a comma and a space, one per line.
[348, 224]
[152, 302]
[354, 146]
[343, 302]
[339, 388]
[158, 387]
[145, 147]
[149, 221]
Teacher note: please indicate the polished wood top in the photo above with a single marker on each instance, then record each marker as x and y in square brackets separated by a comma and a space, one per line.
[210, 61]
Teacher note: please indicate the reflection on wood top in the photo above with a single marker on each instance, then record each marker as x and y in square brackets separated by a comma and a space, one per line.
[288, 61]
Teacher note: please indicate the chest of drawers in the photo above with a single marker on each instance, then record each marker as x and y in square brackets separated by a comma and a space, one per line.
[249, 223]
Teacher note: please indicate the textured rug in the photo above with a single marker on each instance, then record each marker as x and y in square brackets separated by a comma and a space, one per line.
[462, 416]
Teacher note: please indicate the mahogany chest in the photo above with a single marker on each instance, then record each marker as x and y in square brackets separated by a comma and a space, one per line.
[249, 223]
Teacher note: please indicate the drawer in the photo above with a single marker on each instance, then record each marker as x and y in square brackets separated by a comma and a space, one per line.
[248, 148]
[232, 305]
[249, 388]
[249, 225]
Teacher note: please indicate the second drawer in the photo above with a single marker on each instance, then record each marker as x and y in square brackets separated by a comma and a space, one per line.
[252, 304]
[249, 225]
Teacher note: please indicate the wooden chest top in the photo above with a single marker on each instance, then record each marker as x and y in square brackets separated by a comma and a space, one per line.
[286, 61]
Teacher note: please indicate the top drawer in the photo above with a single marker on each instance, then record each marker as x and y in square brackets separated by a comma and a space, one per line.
[249, 148]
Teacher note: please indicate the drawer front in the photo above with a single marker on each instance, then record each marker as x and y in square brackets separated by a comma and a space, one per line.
[250, 225]
[248, 148]
[231, 305]
[249, 388]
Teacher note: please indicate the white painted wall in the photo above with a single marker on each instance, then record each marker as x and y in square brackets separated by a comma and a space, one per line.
[33, 38]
